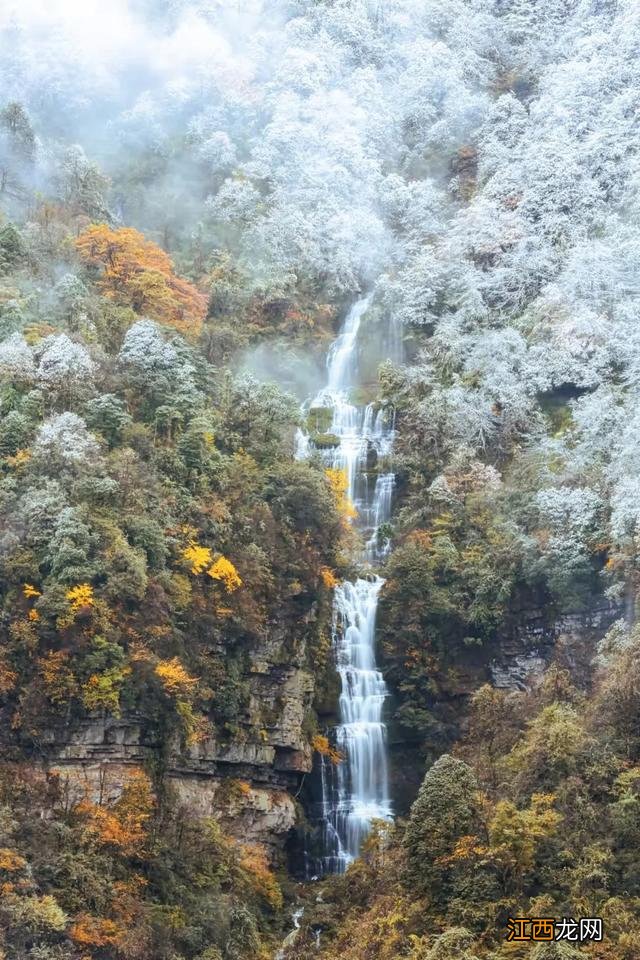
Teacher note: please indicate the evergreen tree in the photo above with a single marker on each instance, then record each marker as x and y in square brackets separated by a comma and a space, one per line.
[443, 812]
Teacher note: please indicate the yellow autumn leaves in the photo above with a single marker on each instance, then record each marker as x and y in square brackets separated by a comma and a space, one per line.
[338, 480]
[102, 690]
[339, 483]
[80, 596]
[322, 746]
[200, 560]
[31, 593]
[328, 578]
[225, 571]
[174, 678]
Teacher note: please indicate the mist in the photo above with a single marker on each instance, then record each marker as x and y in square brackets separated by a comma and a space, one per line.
[319, 375]
[268, 130]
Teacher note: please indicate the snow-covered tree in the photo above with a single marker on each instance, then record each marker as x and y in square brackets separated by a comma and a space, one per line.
[65, 441]
[63, 364]
[16, 360]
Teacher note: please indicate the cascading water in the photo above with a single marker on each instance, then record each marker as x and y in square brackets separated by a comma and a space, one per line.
[355, 792]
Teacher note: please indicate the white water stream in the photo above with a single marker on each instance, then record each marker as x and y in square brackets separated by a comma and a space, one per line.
[355, 792]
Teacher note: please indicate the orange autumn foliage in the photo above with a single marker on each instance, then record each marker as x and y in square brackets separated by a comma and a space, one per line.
[127, 909]
[138, 273]
[21, 458]
[322, 746]
[466, 848]
[124, 825]
[59, 683]
[8, 677]
[11, 861]
[254, 863]
[328, 578]
[90, 931]
[127, 905]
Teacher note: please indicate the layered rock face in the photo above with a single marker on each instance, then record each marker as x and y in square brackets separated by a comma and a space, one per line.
[254, 812]
[529, 640]
[250, 782]
[247, 783]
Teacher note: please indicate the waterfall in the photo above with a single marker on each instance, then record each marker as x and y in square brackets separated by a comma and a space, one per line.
[355, 792]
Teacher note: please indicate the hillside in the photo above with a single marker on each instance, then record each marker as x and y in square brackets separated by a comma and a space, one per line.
[319, 460]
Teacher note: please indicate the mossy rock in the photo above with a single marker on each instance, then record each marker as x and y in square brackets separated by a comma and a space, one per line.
[324, 441]
[319, 419]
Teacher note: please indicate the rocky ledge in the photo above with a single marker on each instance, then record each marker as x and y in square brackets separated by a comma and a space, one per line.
[248, 783]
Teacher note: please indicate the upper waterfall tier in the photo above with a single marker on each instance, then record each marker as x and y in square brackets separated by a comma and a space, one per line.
[359, 436]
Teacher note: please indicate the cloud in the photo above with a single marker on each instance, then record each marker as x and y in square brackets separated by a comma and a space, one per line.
[117, 50]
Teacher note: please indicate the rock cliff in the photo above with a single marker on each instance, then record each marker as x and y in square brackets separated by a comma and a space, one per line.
[528, 640]
[248, 782]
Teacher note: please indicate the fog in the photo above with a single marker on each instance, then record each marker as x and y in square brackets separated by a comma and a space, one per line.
[270, 130]
[77, 66]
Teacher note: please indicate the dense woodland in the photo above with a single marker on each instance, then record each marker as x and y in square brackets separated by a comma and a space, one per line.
[190, 199]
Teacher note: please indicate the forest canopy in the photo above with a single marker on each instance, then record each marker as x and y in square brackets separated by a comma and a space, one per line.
[192, 194]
